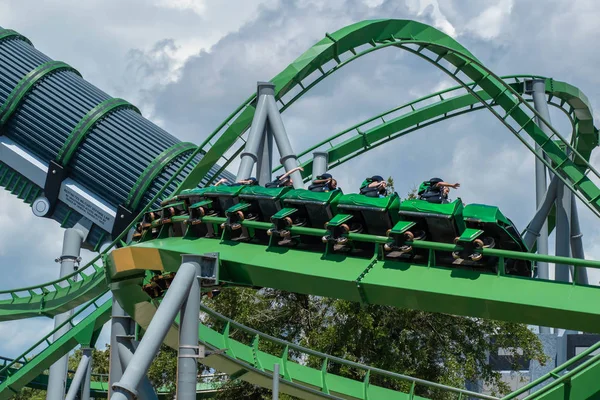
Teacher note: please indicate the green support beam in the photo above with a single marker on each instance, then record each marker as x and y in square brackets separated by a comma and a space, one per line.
[87, 123]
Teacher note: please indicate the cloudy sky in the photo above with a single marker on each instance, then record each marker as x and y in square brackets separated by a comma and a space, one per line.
[189, 63]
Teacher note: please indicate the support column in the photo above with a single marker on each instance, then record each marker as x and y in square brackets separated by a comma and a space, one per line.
[540, 105]
[563, 231]
[288, 157]
[532, 232]
[187, 362]
[276, 382]
[124, 349]
[251, 150]
[577, 243]
[265, 159]
[79, 376]
[126, 388]
[69, 261]
[122, 325]
[85, 386]
[320, 162]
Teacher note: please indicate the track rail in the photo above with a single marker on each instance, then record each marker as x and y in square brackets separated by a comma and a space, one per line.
[39, 357]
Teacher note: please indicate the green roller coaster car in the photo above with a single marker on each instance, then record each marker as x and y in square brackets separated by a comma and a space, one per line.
[257, 203]
[304, 208]
[486, 226]
[421, 220]
[358, 213]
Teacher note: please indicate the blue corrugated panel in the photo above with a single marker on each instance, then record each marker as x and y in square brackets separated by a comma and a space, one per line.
[17, 58]
[115, 151]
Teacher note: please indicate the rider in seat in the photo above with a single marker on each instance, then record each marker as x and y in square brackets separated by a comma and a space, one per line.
[436, 191]
[374, 186]
[323, 183]
[283, 180]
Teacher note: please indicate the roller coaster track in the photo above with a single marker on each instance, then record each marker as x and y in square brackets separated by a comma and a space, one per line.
[99, 383]
[442, 51]
[358, 280]
[65, 293]
[39, 357]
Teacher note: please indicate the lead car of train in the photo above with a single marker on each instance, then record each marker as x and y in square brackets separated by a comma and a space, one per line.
[355, 224]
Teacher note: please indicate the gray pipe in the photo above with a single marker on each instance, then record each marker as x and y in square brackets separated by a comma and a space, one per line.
[57, 379]
[124, 349]
[265, 159]
[121, 325]
[125, 389]
[577, 242]
[250, 154]
[79, 376]
[288, 157]
[563, 231]
[187, 362]
[87, 379]
[541, 215]
[276, 382]
[541, 106]
[320, 162]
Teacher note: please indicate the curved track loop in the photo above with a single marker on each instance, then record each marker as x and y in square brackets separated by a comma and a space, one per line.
[449, 103]
[445, 53]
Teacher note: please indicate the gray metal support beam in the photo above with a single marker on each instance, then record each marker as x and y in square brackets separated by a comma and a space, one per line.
[124, 349]
[541, 215]
[563, 231]
[539, 102]
[187, 362]
[265, 158]
[69, 261]
[78, 378]
[276, 382]
[577, 242]
[320, 162]
[122, 325]
[288, 157]
[87, 379]
[251, 150]
[126, 388]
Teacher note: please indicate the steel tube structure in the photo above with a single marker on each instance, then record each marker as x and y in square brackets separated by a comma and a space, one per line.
[265, 158]
[187, 362]
[276, 382]
[580, 275]
[250, 154]
[538, 221]
[288, 157]
[145, 389]
[125, 389]
[79, 376]
[563, 231]
[57, 379]
[539, 102]
[121, 326]
[320, 162]
[85, 385]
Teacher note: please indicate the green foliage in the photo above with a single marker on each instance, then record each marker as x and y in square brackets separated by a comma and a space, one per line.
[390, 184]
[437, 347]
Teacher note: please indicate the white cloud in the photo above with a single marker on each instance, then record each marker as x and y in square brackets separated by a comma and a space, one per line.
[197, 6]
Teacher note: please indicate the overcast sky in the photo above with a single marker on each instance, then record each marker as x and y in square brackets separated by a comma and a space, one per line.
[189, 63]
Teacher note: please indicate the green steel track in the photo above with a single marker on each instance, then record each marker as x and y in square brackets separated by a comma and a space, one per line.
[367, 281]
[34, 301]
